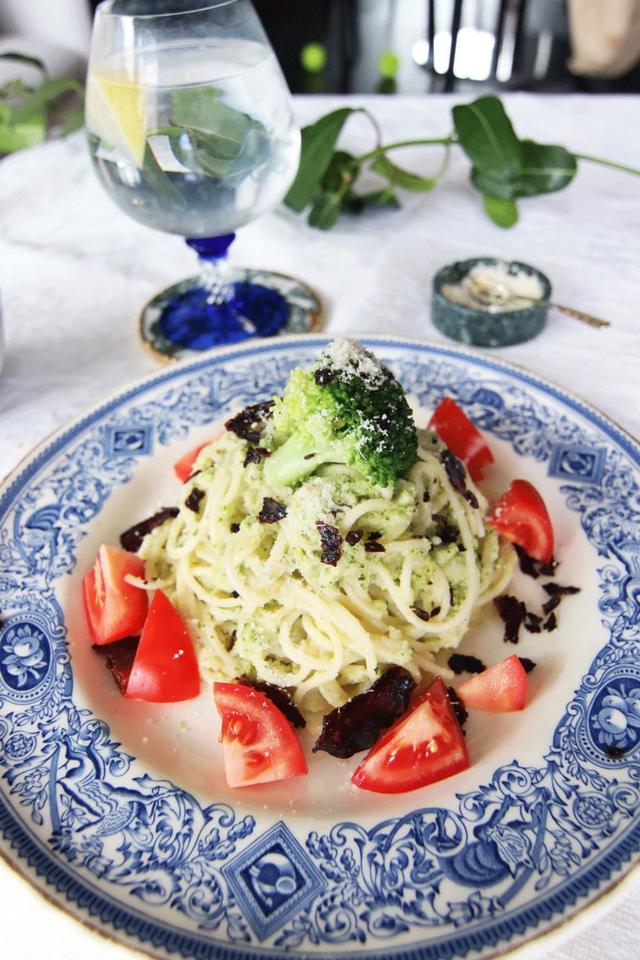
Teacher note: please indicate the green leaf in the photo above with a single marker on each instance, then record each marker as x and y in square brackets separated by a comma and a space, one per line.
[357, 202]
[159, 181]
[14, 89]
[325, 210]
[318, 143]
[487, 137]
[502, 212]
[42, 97]
[340, 174]
[219, 140]
[200, 108]
[215, 156]
[545, 169]
[73, 119]
[402, 178]
[22, 135]
[191, 106]
[25, 58]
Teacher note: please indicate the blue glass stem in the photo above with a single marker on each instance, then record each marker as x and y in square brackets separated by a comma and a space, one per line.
[216, 310]
[214, 275]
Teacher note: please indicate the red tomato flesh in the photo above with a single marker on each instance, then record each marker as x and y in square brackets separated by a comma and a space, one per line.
[165, 668]
[521, 516]
[183, 468]
[424, 746]
[501, 688]
[113, 607]
[461, 436]
[258, 742]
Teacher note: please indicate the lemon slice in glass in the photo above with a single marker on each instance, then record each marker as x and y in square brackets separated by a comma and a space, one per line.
[116, 112]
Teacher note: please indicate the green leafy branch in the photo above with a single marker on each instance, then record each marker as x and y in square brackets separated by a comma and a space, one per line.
[504, 168]
[27, 112]
[207, 137]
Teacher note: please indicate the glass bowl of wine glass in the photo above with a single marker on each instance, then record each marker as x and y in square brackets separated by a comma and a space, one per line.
[191, 131]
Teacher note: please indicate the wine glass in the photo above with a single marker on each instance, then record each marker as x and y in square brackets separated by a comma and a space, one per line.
[191, 131]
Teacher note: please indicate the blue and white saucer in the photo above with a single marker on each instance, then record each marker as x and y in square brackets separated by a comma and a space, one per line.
[299, 306]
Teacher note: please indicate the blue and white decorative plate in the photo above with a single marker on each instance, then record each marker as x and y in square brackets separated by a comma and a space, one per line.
[118, 810]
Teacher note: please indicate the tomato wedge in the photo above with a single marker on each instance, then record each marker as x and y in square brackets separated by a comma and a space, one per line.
[183, 468]
[501, 688]
[113, 607]
[521, 516]
[165, 668]
[461, 436]
[258, 742]
[426, 745]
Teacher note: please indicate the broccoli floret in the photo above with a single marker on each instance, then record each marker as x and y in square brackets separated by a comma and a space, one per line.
[347, 408]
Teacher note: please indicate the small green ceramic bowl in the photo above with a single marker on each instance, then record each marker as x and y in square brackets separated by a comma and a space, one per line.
[483, 328]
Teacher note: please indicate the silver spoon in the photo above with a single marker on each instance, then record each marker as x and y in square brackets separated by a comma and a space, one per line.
[494, 293]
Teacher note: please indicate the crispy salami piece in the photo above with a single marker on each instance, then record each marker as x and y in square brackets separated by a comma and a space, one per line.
[118, 658]
[272, 511]
[425, 614]
[465, 663]
[255, 455]
[373, 546]
[455, 470]
[249, 422]
[527, 664]
[193, 500]
[280, 698]
[512, 613]
[357, 725]
[419, 612]
[558, 590]
[330, 542]
[132, 538]
[550, 604]
[471, 499]
[534, 568]
[533, 622]
[446, 531]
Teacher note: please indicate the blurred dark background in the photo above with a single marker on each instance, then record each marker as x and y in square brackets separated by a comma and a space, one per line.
[417, 46]
[407, 46]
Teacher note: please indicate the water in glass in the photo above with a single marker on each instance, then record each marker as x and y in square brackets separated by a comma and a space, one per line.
[200, 141]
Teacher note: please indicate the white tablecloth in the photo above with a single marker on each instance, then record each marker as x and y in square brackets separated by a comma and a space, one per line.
[74, 273]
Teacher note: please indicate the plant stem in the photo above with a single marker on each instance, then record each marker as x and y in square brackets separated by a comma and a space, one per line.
[376, 126]
[608, 163]
[437, 141]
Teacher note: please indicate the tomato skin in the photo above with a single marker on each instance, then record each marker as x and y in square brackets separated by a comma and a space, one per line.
[183, 468]
[258, 742]
[521, 516]
[501, 688]
[461, 436]
[114, 608]
[165, 668]
[424, 746]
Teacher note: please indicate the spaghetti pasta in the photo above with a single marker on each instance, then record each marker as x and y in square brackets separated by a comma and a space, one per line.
[414, 561]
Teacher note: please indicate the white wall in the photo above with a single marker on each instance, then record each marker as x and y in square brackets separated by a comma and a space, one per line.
[63, 23]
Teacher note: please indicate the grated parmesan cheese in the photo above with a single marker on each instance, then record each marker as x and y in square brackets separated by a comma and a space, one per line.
[350, 356]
